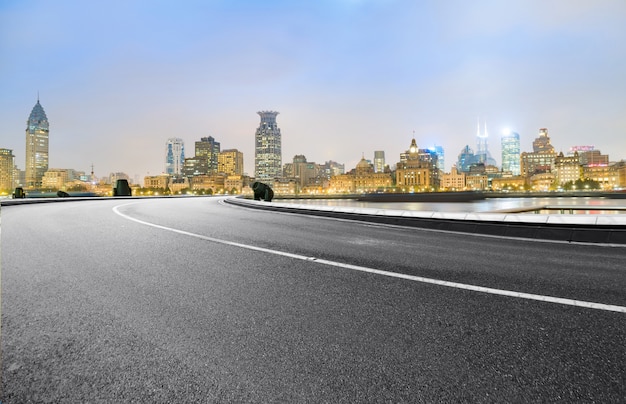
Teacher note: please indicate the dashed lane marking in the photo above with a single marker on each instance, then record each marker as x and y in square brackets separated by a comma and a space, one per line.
[456, 285]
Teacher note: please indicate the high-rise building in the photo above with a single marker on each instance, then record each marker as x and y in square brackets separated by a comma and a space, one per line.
[438, 150]
[209, 149]
[511, 152]
[174, 156]
[542, 144]
[7, 169]
[267, 150]
[541, 159]
[482, 153]
[230, 162]
[37, 130]
[379, 161]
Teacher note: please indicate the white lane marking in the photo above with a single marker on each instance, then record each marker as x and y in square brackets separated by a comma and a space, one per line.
[474, 288]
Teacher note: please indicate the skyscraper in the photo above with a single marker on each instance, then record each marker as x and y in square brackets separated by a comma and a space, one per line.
[482, 153]
[174, 156]
[37, 129]
[208, 149]
[267, 150]
[511, 152]
[379, 161]
[542, 143]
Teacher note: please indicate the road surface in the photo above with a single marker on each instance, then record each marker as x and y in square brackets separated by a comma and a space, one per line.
[193, 300]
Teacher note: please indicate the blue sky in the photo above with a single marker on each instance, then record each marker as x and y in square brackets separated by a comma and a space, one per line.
[117, 78]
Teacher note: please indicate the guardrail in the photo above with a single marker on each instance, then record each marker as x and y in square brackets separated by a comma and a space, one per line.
[604, 229]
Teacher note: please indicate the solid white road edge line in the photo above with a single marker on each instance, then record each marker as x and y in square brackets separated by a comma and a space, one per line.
[474, 288]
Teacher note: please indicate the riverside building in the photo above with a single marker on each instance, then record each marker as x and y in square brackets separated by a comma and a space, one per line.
[7, 169]
[37, 132]
[174, 156]
[267, 148]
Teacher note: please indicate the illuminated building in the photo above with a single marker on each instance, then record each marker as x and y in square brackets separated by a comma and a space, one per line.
[56, 178]
[215, 183]
[465, 159]
[476, 182]
[174, 156]
[230, 162]
[593, 158]
[512, 183]
[482, 153]
[542, 181]
[439, 152]
[417, 169]
[37, 131]
[195, 166]
[511, 153]
[607, 176]
[157, 181]
[305, 173]
[7, 169]
[379, 161]
[267, 148]
[567, 168]
[542, 143]
[361, 179]
[454, 180]
[541, 159]
[207, 148]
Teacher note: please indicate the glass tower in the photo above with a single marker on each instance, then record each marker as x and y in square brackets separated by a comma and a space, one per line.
[174, 156]
[379, 161]
[511, 152]
[37, 129]
[267, 150]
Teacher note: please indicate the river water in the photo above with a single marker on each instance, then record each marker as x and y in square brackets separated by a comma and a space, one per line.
[601, 205]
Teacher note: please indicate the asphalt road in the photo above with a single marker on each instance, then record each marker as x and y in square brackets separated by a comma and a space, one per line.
[192, 300]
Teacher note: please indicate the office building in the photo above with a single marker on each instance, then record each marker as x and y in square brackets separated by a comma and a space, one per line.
[230, 162]
[482, 152]
[174, 156]
[379, 161]
[207, 148]
[7, 170]
[37, 131]
[511, 152]
[267, 148]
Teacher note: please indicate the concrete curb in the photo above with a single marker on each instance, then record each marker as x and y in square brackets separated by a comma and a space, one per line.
[585, 229]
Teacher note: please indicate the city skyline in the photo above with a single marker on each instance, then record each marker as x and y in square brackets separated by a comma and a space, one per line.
[349, 77]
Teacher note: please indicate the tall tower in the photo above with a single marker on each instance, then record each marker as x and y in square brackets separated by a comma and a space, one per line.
[379, 161]
[207, 148]
[174, 156]
[511, 152]
[482, 153]
[37, 129]
[267, 150]
[542, 143]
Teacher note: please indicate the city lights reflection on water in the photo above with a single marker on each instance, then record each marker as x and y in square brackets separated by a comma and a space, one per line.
[530, 205]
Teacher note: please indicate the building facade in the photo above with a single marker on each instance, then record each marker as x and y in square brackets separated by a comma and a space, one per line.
[453, 181]
[415, 170]
[37, 147]
[267, 148]
[7, 170]
[567, 168]
[209, 149]
[511, 153]
[230, 162]
[174, 156]
[379, 161]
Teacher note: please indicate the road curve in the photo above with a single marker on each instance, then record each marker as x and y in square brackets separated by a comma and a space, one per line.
[193, 300]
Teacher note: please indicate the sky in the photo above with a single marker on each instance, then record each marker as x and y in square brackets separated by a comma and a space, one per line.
[117, 78]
